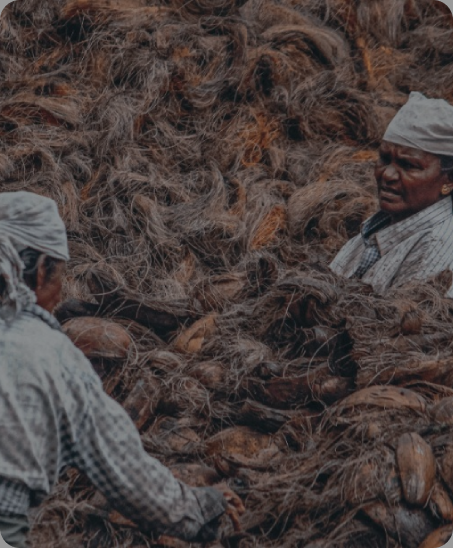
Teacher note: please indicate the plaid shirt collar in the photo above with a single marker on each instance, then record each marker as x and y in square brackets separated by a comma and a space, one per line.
[389, 235]
[378, 221]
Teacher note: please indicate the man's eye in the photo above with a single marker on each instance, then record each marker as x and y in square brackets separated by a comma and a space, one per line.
[407, 165]
[384, 159]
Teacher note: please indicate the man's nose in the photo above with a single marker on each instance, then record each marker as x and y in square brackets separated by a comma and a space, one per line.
[390, 173]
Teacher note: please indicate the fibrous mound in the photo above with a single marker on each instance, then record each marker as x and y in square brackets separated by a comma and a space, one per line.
[209, 158]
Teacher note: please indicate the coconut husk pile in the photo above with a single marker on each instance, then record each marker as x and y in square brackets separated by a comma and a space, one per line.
[209, 159]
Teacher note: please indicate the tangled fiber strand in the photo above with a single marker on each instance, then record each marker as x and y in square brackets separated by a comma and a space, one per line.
[209, 159]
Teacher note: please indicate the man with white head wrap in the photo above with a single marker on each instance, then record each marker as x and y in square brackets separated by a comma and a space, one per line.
[411, 236]
[53, 410]
[26, 221]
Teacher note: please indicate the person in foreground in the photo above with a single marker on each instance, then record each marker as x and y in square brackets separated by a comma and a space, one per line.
[53, 410]
[411, 236]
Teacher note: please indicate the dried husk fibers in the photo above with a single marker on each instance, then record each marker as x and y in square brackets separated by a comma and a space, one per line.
[209, 158]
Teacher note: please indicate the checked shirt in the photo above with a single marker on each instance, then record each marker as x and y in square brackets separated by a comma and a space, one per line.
[54, 413]
[386, 256]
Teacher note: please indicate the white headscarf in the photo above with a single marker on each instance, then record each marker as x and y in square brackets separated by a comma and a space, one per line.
[26, 220]
[425, 124]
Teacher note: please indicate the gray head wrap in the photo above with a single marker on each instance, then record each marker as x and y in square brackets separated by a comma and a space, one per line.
[425, 124]
[26, 220]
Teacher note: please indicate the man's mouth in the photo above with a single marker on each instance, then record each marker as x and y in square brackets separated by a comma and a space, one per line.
[387, 193]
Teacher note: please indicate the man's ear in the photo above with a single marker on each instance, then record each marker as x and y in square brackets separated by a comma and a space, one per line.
[447, 185]
[40, 272]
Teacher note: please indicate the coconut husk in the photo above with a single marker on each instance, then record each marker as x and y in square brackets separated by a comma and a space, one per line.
[122, 303]
[440, 503]
[197, 475]
[270, 420]
[445, 465]
[417, 468]
[210, 374]
[238, 440]
[404, 524]
[142, 400]
[438, 538]
[191, 340]
[385, 396]
[376, 478]
[218, 291]
[315, 385]
[174, 435]
[98, 338]
[442, 411]
[209, 159]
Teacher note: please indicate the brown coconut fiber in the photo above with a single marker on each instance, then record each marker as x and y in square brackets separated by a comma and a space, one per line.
[209, 159]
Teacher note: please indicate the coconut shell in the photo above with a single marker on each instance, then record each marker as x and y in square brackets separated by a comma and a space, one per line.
[438, 538]
[215, 292]
[114, 299]
[176, 435]
[442, 411]
[446, 466]
[411, 322]
[440, 503]
[239, 440]
[109, 373]
[316, 384]
[100, 507]
[192, 339]
[118, 519]
[390, 397]
[230, 464]
[210, 374]
[266, 419]
[183, 394]
[417, 468]
[196, 475]
[72, 308]
[377, 478]
[435, 371]
[165, 541]
[407, 525]
[332, 389]
[98, 338]
[142, 400]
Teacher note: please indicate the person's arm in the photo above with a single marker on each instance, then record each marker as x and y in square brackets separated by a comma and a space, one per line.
[109, 450]
[431, 255]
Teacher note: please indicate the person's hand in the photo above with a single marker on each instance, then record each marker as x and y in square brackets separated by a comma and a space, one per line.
[235, 508]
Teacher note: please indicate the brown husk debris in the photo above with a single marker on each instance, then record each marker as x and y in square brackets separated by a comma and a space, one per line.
[209, 158]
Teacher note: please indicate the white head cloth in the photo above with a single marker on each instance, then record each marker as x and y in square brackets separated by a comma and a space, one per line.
[26, 220]
[425, 124]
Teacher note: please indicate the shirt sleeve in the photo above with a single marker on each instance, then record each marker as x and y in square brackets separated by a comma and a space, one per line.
[430, 256]
[347, 259]
[109, 450]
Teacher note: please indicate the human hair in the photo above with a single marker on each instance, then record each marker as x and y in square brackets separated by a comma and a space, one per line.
[446, 166]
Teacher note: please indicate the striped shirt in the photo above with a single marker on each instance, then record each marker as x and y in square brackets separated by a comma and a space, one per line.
[415, 248]
[371, 254]
[54, 413]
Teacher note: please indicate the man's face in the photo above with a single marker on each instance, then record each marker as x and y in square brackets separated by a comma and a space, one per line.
[49, 289]
[408, 180]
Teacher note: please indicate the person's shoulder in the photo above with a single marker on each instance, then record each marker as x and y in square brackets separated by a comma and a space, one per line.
[27, 332]
[350, 248]
[441, 234]
[30, 339]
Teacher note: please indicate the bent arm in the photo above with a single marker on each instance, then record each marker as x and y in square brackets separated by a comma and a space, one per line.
[109, 450]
